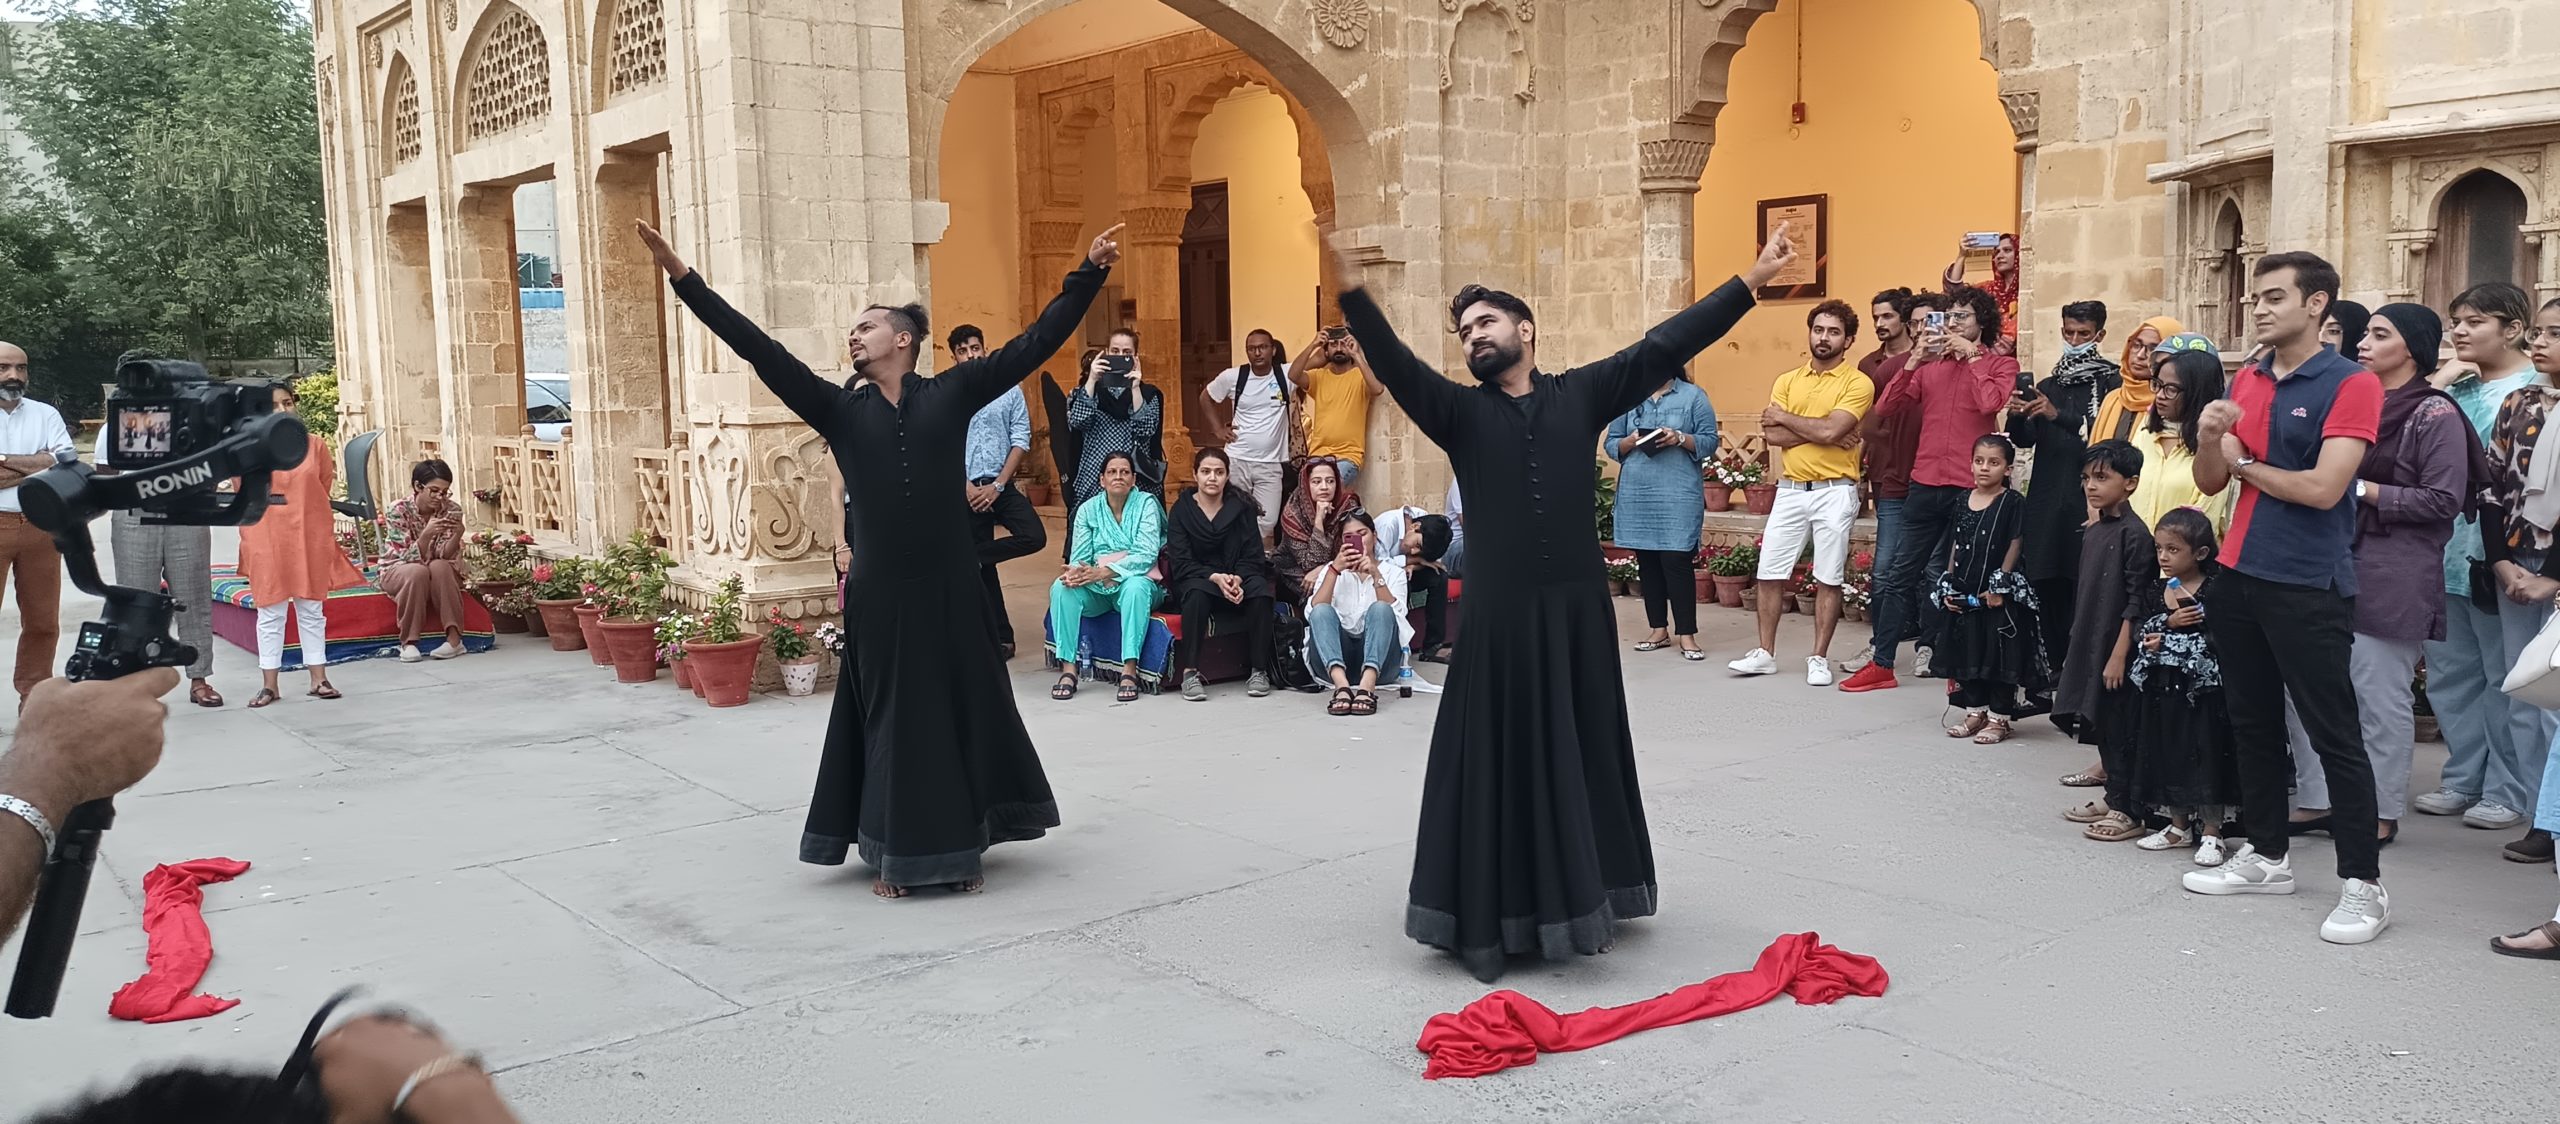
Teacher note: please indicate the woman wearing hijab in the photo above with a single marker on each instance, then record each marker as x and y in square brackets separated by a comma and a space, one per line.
[2002, 285]
[292, 561]
[2186, 373]
[1213, 563]
[2124, 408]
[1113, 413]
[1311, 525]
[2414, 480]
[1119, 535]
[2343, 330]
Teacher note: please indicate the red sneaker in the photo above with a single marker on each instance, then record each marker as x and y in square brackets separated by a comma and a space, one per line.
[1873, 677]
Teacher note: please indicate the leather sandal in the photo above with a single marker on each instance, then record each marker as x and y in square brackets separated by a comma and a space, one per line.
[1128, 690]
[1364, 702]
[202, 694]
[1065, 687]
[1993, 732]
[1341, 704]
[2550, 931]
[322, 690]
[265, 698]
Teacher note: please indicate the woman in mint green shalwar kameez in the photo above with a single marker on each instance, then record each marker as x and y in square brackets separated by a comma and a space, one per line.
[1117, 535]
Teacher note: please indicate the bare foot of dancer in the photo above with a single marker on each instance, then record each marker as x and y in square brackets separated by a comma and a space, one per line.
[970, 885]
[881, 888]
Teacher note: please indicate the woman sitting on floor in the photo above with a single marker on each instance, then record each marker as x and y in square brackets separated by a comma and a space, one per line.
[423, 544]
[1118, 534]
[1311, 523]
[1213, 562]
[1356, 606]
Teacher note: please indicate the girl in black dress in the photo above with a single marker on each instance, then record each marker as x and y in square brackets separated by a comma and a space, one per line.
[2186, 767]
[1994, 651]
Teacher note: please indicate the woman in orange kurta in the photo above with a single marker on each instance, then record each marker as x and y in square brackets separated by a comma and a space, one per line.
[292, 561]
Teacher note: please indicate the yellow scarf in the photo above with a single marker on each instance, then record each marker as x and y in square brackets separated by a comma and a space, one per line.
[2126, 405]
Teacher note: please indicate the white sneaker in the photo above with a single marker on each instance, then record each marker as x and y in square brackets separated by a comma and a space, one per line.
[409, 653]
[447, 652]
[2363, 912]
[2245, 872]
[2210, 852]
[1758, 662]
[2443, 802]
[1920, 662]
[1859, 662]
[2165, 839]
[2489, 815]
[1817, 671]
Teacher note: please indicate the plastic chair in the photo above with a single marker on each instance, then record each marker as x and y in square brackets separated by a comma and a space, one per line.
[359, 504]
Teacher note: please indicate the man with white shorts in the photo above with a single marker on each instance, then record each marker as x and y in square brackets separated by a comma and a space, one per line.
[1255, 430]
[1813, 416]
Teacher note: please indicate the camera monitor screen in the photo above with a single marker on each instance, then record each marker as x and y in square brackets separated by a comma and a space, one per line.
[144, 434]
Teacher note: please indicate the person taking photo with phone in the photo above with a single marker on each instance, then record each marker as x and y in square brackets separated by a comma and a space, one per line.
[1335, 381]
[2053, 418]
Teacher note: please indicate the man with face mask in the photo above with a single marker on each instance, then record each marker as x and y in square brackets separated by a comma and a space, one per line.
[1551, 857]
[31, 433]
[2053, 418]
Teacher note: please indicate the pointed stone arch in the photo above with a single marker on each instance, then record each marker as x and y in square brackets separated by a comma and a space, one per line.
[403, 136]
[631, 48]
[506, 76]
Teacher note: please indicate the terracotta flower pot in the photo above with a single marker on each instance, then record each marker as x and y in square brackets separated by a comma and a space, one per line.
[632, 643]
[534, 625]
[1760, 498]
[684, 672]
[1804, 604]
[726, 673]
[1729, 589]
[1853, 612]
[1719, 497]
[588, 615]
[489, 594]
[560, 621]
[1706, 587]
[800, 677]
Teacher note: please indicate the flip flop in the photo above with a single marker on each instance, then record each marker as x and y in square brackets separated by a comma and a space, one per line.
[265, 698]
[2550, 931]
[325, 691]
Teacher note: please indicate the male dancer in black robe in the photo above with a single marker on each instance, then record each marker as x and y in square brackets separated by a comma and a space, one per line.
[1532, 837]
[926, 762]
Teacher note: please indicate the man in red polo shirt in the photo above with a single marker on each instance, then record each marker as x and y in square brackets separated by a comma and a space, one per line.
[1955, 386]
[2282, 615]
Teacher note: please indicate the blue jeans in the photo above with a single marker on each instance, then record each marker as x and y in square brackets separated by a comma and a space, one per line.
[1888, 535]
[2495, 746]
[1376, 647]
[1349, 471]
[1925, 517]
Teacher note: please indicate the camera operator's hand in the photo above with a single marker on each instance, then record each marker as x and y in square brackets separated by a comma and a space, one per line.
[79, 742]
[363, 1063]
[660, 250]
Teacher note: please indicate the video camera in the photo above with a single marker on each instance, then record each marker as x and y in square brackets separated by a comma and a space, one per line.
[173, 437]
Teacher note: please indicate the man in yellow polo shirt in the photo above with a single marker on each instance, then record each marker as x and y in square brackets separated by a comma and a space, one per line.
[1337, 392]
[1813, 415]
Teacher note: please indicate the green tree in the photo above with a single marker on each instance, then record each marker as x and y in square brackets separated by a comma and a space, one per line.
[183, 137]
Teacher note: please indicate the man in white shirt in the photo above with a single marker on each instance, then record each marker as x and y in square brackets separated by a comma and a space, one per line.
[31, 433]
[1256, 430]
[150, 554]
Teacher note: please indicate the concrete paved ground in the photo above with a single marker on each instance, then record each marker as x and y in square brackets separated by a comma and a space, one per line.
[594, 884]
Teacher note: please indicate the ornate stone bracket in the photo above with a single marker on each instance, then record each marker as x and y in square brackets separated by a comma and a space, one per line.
[2026, 116]
[1671, 163]
[1155, 226]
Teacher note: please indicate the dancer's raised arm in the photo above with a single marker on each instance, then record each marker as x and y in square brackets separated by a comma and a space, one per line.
[809, 396]
[982, 379]
[1426, 396]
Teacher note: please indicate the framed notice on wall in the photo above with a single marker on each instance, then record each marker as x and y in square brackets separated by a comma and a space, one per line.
[1808, 219]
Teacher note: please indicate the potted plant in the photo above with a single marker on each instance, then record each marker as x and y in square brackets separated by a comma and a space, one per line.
[1623, 575]
[633, 594]
[1734, 470]
[499, 563]
[1698, 571]
[1732, 571]
[1724, 474]
[724, 656]
[1859, 589]
[793, 650]
[675, 630]
[1604, 501]
[591, 610]
[558, 589]
[1037, 487]
[1803, 588]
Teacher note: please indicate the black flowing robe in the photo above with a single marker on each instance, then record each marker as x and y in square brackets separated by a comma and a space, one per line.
[1532, 836]
[926, 762]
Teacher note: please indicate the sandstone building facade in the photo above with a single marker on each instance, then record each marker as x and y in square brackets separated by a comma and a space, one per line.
[1596, 156]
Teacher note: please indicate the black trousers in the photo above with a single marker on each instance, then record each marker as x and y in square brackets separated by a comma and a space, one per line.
[1198, 605]
[1024, 534]
[1928, 513]
[1982, 694]
[1433, 583]
[2057, 597]
[1668, 579]
[2276, 639]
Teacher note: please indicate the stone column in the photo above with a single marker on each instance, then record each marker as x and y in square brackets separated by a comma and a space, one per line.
[1151, 271]
[485, 397]
[2026, 121]
[1053, 242]
[1669, 168]
[619, 377]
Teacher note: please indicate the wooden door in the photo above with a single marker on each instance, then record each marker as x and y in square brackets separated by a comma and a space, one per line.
[1208, 333]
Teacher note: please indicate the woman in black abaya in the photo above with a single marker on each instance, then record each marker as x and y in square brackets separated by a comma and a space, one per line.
[926, 762]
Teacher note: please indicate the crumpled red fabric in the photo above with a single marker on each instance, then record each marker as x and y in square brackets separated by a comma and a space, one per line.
[1507, 1029]
[181, 946]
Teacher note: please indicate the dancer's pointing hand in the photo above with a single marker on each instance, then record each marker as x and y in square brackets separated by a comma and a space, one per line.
[1106, 247]
[1774, 257]
[660, 250]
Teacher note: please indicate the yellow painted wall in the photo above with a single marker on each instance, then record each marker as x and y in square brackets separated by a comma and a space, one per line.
[1249, 141]
[976, 268]
[1904, 132]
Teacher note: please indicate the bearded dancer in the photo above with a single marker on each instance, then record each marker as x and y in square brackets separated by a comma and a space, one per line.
[1532, 837]
[926, 762]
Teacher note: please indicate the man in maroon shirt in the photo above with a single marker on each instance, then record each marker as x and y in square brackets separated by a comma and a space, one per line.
[1956, 386]
[1889, 442]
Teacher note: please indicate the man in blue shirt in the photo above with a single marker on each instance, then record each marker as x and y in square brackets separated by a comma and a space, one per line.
[999, 436]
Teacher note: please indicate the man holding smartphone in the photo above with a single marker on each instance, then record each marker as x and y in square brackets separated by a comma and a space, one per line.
[1335, 380]
[1813, 415]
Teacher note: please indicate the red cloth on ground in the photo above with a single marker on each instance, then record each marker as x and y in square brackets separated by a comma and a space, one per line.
[181, 947]
[1507, 1029]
